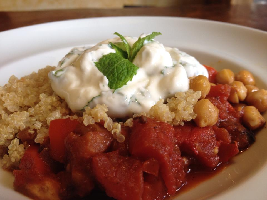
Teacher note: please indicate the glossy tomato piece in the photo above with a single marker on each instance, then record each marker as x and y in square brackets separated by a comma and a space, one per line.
[212, 73]
[221, 91]
[227, 151]
[58, 130]
[222, 135]
[200, 143]
[154, 188]
[33, 163]
[151, 166]
[34, 177]
[152, 139]
[86, 141]
[121, 177]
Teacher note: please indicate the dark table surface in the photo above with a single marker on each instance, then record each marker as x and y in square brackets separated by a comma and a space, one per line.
[252, 15]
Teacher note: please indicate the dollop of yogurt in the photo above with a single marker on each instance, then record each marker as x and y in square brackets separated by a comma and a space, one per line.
[162, 71]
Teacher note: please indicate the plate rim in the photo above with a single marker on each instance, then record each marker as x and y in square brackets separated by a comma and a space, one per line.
[25, 28]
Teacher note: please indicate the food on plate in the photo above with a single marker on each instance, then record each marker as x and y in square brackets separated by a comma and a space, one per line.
[128, 117]
[88, 76]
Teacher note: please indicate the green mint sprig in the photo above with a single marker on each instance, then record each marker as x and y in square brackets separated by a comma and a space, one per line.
[118, 67]
[140, 43]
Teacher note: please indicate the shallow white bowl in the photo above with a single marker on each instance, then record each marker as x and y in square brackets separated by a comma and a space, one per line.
[219, 45]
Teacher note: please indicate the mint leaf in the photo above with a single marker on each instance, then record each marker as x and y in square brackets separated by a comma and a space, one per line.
[140, 43]
[125, 43]
[117, 69]
[120, 45]
[119, 50]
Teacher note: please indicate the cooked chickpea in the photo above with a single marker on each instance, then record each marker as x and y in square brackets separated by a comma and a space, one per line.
[238, 92]
[241, 90]
[207, 113]
[200, 83]
[258, 99]
[225, 76]
[233, 97]
[245, 77]
[251, 88]
[252, 118]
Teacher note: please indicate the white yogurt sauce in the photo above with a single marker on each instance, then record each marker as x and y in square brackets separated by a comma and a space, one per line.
[162, 72]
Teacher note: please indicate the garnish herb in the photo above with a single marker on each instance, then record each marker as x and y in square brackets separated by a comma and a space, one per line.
[118, 67]
[140, 43]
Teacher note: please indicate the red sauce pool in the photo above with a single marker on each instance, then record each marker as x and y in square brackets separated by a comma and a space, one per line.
[198, 175]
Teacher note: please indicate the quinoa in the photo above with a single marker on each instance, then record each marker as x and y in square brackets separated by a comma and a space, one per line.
[182, 105]
[98, 114]
[29, 104]
[177, 110]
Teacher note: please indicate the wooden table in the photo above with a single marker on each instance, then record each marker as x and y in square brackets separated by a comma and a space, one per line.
[254, 15]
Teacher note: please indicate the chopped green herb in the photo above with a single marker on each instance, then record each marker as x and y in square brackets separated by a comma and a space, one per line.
[90, 102]
[57, 73]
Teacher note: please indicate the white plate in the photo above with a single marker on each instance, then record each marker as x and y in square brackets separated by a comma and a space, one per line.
[216, 44]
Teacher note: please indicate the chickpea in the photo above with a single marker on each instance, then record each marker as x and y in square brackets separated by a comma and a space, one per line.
[207, 113]
[233, 97]
[252, 118]
[200, 83]
[245, 77]
[251, 88]
[258, 99]
[238, 92]
[225, 76]
[241, 90]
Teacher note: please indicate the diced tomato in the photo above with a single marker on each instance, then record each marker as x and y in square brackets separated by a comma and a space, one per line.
[227, 151]
[151, 166]
[229, 117]
[218, 96]
[86, 141]
[200, 143]
[34, 178]
[81, 144]
[82, 178]
[122, 147]
[151, 139]
[238, 133]
[212, 73]
[154, 188]
[222, 134]
[183, 132]
[121, 177]
[221, 91]
[32, 162]
[58, 130]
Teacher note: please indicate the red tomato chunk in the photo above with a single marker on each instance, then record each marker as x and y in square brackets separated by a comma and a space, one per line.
[150, 164]
[151, 139]
[122, 177]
